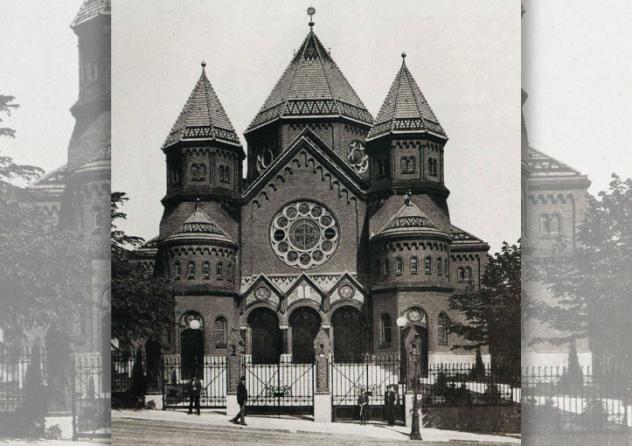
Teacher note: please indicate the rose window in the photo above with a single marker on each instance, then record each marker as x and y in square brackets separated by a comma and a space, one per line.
[304, 234]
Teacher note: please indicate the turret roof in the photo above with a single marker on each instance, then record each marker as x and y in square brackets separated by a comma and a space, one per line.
[91, 9]
[312, 85]
[409, 220]
[199, 226]
[405, 109]
[203, 117]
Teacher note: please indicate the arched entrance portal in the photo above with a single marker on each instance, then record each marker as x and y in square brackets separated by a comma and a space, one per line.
[349, 335]
[192, 345]
[418, 338]
[265, 335]
[305, 323]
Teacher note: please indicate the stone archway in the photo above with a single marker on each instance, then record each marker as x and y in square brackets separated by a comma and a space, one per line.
[265, 335]
[305, 323]
[350, 335]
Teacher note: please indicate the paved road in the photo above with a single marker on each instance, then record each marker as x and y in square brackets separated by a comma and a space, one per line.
[136, 432]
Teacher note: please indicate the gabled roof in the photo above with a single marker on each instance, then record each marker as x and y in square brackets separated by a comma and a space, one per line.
[312, 85]
[308, 140]
[464, 239]
[203, 117]
[405, 109]
[91, 9]
[200, 227]
[540, 164]
[409, 221]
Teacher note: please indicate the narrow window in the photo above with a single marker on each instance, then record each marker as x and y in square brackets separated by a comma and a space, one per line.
[206, 270]
[176, 272]
[386, 267]
[219, 271]
[432, 167]
[220, 332]
[229, 271]
[428, 265]
[442, 328]
[468, 273]
[403, 164]
[446, 267]
[439, 266]
[386, 332]
[399, 265]
[414, 265]
[191, 270]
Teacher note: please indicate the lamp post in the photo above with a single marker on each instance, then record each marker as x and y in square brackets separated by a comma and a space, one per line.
[415, 433]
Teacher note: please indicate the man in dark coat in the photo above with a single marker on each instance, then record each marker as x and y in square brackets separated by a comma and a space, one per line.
[195, 389]
[242, 397]
[389, 405]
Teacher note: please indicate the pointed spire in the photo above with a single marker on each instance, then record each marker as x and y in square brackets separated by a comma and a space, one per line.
[312, 85]
[405, 109]
[310, 12]
[203, 117]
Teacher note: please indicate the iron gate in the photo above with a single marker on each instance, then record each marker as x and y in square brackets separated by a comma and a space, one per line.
[91, 405]
[283, 387]
[176, 388]
[373, 373]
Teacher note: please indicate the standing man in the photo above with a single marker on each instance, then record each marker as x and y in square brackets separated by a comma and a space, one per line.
[195, 388]
[242, 397]
[363, 402]
[389, 405]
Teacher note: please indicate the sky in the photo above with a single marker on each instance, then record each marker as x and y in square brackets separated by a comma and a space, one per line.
[464, 55]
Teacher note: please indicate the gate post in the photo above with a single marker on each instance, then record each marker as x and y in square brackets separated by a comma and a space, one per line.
[322, 394]
[235, 351]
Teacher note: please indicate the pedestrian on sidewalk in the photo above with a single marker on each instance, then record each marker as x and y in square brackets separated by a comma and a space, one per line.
[195, 389]
[363, 402]
[389, 405]
[242, 397]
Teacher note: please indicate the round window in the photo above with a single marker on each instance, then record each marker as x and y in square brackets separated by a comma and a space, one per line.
[304, 234]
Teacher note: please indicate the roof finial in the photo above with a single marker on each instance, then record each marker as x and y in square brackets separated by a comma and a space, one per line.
[407, 198]
[310, 12]
[403, 56]
[203, 65]
[197, 199]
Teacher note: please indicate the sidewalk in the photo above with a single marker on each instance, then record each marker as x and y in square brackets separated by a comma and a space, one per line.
[302, 425]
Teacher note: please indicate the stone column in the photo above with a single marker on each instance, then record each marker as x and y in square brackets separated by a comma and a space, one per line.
[322, 393]
[286, 350]
[234, 351]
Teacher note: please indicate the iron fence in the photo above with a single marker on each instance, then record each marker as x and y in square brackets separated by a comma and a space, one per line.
[91, 407]
[576, 399]
[14, 366]
[467, 384]
[176, 388]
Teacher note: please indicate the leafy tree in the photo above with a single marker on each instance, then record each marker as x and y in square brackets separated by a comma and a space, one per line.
[591, 284]
[142, 302]
[42, 268]
[492, 312]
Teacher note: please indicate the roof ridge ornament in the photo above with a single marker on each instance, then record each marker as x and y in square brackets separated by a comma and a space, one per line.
[203, 65]
[310, 12]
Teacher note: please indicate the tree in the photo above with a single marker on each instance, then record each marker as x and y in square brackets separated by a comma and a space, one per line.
[142, 302]
[591, 284]
[492, 311]
[42, 268]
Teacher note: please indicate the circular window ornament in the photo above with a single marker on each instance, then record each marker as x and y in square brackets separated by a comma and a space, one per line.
[416, 315]
[304, 234]
[262, 293]
[346, 291]
[357, 156]
[264, 159]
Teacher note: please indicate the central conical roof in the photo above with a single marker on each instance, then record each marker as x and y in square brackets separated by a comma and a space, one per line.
[409, 221]
[203, 117]
[199, 226]
[312, 85]
[405, 109]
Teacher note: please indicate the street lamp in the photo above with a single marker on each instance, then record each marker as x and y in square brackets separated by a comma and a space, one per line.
[415, 433]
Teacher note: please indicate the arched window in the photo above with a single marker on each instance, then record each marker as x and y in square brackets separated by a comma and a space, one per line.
[191, 270]
[224, 174]
[432, 167]
[403, 164]
[442, 328]
[414, 265]
[220, 332]
[411, 164]
[399, 265]
[206, 268]
[439, 266]
[468, 273]
[229, 271]
[386, 330]
[198, 171]
[407, 164]
[428, 265]
[219, 271]
[176, 270]
[386, 267]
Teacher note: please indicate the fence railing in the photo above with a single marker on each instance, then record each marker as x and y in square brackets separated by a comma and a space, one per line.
[177, 388]
[14, 367]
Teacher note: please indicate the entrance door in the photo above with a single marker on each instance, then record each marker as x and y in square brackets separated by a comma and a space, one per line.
[266, 336]
[192, 345]
[305, 323]
[349, 335]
